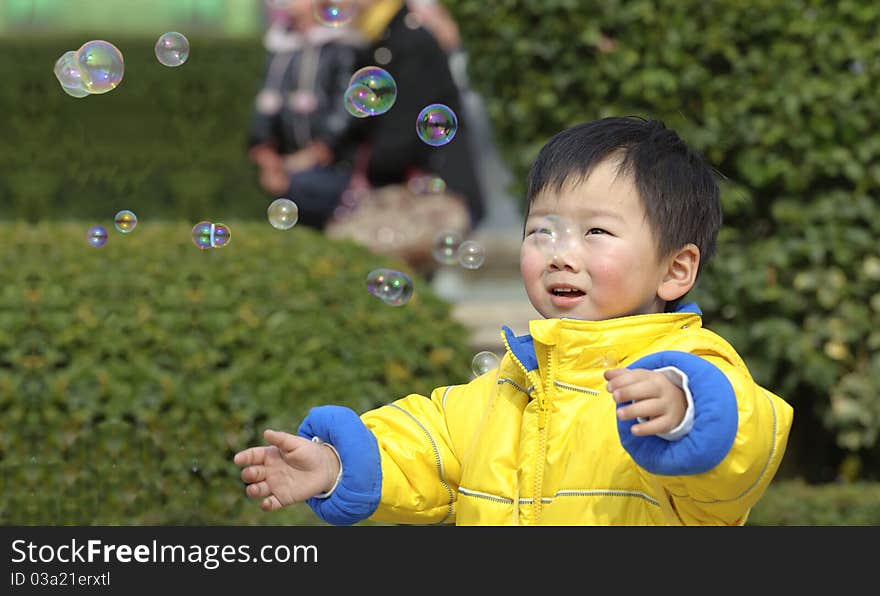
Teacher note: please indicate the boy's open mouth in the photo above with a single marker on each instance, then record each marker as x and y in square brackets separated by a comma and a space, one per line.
[566, 292]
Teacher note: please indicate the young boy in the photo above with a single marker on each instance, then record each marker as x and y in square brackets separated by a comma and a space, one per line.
[617, 408]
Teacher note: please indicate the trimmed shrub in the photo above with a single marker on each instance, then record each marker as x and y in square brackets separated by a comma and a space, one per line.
[795, 503]
[781, 98]
[130, 374]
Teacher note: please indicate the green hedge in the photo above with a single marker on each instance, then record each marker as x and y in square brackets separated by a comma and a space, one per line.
[166, 143]
[131, 373]
[795, 503]
[782, 98]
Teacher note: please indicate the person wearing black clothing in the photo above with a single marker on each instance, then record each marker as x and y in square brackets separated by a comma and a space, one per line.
[392, 152]
[298, 108]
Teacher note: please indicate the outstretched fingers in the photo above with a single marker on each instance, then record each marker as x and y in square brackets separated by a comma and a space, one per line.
[251, 456]
[285, 442]
[271, 503]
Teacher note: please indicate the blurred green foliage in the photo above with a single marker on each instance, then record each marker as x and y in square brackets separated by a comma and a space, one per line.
[796, 503]
[165, 143]
[782, 99]
[130, 374]
[163, 359]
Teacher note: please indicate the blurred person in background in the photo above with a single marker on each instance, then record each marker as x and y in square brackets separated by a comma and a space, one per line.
[390, 151]
[435, 17]
[299, 109]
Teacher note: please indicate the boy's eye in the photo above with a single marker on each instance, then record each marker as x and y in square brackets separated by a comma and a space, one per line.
[596, 231]
[540, 231]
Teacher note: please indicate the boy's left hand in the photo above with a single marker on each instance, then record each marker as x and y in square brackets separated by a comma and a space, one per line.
[656, 399]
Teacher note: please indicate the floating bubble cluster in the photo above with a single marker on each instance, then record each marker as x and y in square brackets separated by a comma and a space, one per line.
[333, 13]
[96, 67]
[125, 221]
[283, 214]
[97, 236]
[206, 234]
[172, 48]
[483, 362]
[436, 124]
[393, 287]
[371, 92]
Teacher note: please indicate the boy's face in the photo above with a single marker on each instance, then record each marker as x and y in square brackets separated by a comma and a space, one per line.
[611, 263]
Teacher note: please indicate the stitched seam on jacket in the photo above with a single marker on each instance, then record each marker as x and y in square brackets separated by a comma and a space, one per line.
[576, 388]
[481, 495]
[506, 380]
[760, 476]
[436, 458]
[562, 493]
[445, 393]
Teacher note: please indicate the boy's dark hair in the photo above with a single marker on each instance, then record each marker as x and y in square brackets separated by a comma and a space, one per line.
[677, 186]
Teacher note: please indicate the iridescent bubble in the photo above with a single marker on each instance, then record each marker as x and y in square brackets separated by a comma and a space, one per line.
[357, 96]
[389, 285]
[384, 283]
[333, 13]
[445, 248]
[483, 362]
[77, 92]
[471, 254]
[436, 124]
[406, 291]
[554, 235]
[283, 214]
[203, 234]
[221, 236]
[97, 236]
[381, 83]
[67, 71]
[101, 66]
[172, 48]
[125, 221]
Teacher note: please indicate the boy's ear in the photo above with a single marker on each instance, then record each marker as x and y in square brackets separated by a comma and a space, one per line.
[681, 273]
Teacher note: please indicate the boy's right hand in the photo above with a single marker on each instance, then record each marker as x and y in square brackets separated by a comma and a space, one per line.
[289, 470]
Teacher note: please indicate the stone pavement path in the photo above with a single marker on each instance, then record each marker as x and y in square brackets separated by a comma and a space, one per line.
[484, 299]
[491, 296]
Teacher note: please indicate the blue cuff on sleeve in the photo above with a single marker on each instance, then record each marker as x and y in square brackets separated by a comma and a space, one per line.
[357, 495]
[715, 420]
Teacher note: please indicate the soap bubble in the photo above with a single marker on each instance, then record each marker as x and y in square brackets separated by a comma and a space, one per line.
[100, 65]
[393, 287]
[206, 234]
[377, 80]
[445, 247]
[97, 236]
[436, 124]
[554, 235]
[202, 234]
[483, 362]
[172, 48]
[283, 214]
[67, 72]
[222, 235]
[471, 254]
[333, 13]
[125, 221]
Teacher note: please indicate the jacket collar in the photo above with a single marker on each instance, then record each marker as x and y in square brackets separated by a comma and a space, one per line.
[576, 336]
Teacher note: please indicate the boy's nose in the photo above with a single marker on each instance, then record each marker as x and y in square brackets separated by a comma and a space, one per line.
[564, 260]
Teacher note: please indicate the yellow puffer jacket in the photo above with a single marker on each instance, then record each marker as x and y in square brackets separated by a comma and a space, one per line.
[536, 441]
